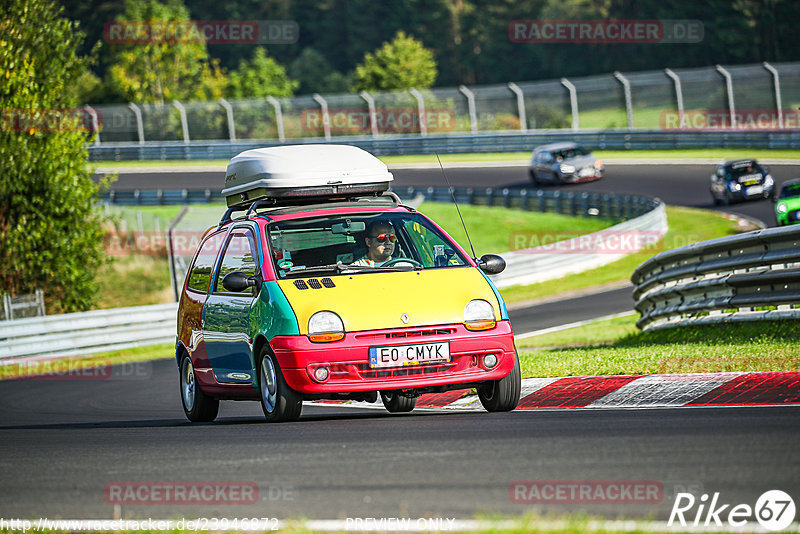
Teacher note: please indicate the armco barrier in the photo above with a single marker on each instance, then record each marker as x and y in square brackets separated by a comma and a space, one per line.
[747, 277]
[87, 332]
[391, 145]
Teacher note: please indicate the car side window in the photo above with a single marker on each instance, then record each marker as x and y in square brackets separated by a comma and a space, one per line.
[200, 273]
[239, 256]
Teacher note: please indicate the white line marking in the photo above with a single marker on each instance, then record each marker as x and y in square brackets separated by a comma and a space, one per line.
[572, 325]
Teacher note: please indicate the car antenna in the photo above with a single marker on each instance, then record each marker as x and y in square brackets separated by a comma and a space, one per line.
[453, 196]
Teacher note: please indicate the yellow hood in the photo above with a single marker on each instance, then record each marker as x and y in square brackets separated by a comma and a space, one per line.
[370, 301]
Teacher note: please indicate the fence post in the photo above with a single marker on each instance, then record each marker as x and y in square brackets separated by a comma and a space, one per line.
[729, 87]
[184, 122]
[40, 300]
[626, 88]
[473, 117]
[776, 82]
[278, 117]
[520, 96]
[95, 123]
[678, 95]
[137, 112]
[423, 126]
[229, 112]
[373, 115]
[573, 102]
[326, 118]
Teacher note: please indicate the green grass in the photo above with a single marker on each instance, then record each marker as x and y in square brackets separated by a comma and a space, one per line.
[686, 225]
[596, 332]
[749, 347]
[521, 157]
[494, 229]
[71, 366]
[134, 280]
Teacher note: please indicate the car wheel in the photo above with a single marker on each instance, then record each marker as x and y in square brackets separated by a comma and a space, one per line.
[396, 403]
[279, 402]
[198, 407]
[724, 201]
[534, 179]
[502, 395]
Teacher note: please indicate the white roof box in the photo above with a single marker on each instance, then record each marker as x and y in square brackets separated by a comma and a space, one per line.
[298, 173]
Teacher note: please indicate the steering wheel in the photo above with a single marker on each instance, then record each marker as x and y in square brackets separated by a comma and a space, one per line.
[394, 261]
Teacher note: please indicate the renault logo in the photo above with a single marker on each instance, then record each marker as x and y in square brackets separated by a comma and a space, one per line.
[404, 318]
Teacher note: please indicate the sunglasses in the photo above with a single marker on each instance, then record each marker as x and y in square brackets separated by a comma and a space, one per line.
[383, 238]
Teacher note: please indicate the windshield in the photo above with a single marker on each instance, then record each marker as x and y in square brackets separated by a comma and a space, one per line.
[359, 243]
[742, 169]
[790, 190]
[569, 153]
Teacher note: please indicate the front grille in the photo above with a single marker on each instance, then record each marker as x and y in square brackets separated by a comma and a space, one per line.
[400, 334]
[367, 372]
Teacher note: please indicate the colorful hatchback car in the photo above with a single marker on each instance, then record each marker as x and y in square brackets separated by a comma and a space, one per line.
[329, 288]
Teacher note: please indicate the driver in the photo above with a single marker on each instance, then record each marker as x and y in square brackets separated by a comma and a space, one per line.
[380, 241]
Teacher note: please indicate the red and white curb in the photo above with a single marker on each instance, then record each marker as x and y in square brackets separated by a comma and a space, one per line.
[638, 391]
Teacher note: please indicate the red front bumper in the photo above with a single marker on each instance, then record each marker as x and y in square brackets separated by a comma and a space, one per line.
[348, 359]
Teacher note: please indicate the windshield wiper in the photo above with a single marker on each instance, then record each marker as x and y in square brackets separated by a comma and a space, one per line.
[336, 267]
[398, 267]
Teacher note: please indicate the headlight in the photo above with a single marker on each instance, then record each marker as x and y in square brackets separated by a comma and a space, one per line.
[735, 186]
[567, 169]
[768, 181]
[781, 207]
[479, 315]
[325, 326]
[598, 164]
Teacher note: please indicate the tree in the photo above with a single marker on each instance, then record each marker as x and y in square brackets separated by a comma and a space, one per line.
[261, 76]
[316, 75]
[402, 63]
[159, 69]
[51, 234]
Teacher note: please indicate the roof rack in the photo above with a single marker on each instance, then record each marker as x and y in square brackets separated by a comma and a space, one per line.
[290, 205]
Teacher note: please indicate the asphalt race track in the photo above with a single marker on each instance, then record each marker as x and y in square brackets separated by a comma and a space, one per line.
[678, 184]
[65, 440]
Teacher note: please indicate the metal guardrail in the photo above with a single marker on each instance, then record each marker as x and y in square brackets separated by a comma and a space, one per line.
[83, 333]
[749, 277]
[391, 145]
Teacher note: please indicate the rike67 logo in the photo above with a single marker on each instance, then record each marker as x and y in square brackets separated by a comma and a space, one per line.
[774, 510]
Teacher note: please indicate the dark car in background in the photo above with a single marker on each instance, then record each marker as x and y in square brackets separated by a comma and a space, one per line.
[564, 163]
[741, 180]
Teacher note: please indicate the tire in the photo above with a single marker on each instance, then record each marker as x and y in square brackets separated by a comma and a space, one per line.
[279, 402]
[724, 201]
[396, 403]
[198, 407]
[502, 395]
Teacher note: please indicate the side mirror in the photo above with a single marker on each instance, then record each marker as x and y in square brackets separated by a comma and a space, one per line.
[237, 282]
[492, 264]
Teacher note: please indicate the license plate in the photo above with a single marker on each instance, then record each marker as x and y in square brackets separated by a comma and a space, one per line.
[754, 190]
[405, 355]
[586, 171]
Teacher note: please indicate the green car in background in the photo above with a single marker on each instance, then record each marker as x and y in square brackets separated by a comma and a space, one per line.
[787, 208]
